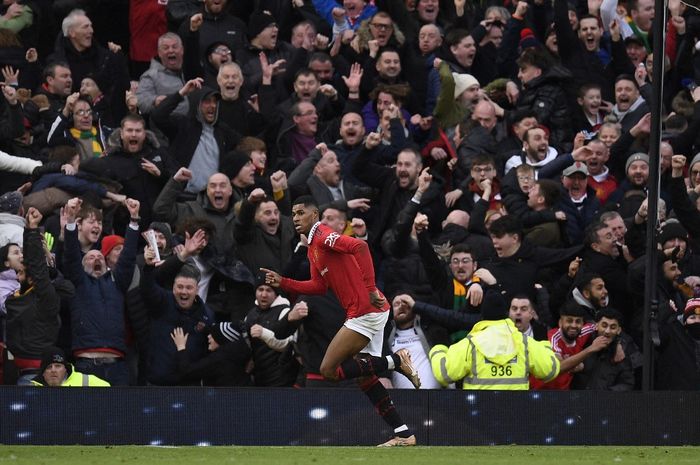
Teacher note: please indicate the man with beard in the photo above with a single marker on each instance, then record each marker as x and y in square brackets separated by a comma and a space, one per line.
[630, 106]
[264, 236]
[679, 357]
[200, 141]
[536, 150]
[136, 161]
[99, 333]
[462, 288]
[352, 132]
[164, 76]
[568, 339]
[632, 191]
[589, 292]
[344, 265]
[604, 370]
[397, 186]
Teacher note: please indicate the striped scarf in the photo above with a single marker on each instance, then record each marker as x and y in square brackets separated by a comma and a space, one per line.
[88, 135]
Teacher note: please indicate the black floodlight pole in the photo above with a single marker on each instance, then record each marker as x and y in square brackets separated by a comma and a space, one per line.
[651, 302]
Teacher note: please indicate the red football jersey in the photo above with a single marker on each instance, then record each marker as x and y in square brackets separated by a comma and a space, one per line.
[560, 346]
[342, 263]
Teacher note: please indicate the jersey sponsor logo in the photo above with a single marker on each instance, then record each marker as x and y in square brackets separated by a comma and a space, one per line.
[324, 271]
[330, 240]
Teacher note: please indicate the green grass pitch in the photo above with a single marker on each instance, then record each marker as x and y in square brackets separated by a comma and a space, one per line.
[506, 455]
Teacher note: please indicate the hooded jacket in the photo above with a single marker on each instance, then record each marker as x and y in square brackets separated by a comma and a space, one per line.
[494, 356]
[184, 132]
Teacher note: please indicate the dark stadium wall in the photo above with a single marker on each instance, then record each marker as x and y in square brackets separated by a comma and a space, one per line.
[219, 416]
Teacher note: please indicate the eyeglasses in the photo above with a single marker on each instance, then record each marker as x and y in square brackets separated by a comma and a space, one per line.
[482, 169]
[463, 261]
[84, 112]
[222, 51]
[382, 27]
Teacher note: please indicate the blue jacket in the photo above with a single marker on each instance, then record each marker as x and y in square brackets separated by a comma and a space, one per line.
[166, 315]
[325, 9]
[97, 311]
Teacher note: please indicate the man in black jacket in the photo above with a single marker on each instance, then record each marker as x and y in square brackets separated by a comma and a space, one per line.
[199, 141]
[136, 161]
[678, 362]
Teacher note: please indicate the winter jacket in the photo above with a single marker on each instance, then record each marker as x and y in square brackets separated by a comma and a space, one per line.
[159, 80]
[166, 208]
[273, 363]
[184, 132]
[223, 27]
[547, 98]
[107, 68]
[165, 316]
[97, 312]
[255, 247]
[33, 316]
[125, 168]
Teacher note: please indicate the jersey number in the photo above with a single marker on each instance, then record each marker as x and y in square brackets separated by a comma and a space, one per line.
[501, 370]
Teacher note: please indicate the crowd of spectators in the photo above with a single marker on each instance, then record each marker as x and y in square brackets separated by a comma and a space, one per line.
[150, 155]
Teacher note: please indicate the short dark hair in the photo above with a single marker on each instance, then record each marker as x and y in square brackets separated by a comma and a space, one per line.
[574, 309]
[610, 314]
[191, 224]
[590, 235]
[483, 159]
[627, 77]
[63, 153]
[455, 36]
[50, 69]
[189, 272]
[304, 72]
[461, 248]
[508, 224]
[582, 281]
[88, 210]
[321, 57]
[535, 57]
[587, 86]
[550, 191]
[306, 200]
